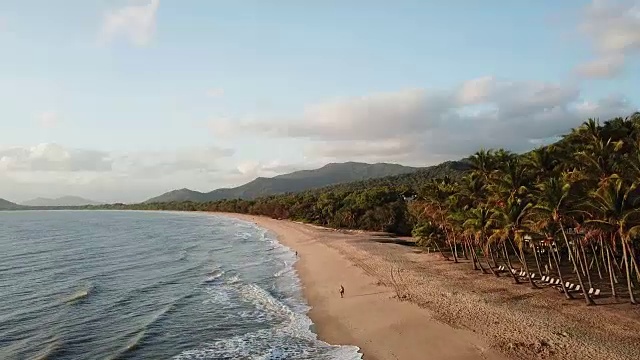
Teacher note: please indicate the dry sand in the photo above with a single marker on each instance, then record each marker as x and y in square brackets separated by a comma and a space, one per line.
[403, 304]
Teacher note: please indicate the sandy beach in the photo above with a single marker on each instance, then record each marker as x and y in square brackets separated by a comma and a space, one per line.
[401, 303]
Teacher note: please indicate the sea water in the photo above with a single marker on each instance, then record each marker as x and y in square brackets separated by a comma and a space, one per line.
[150, 285]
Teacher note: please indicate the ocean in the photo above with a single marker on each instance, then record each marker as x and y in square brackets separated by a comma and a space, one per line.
[150, 285]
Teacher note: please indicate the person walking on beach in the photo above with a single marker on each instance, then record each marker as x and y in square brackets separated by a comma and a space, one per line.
[341, 291]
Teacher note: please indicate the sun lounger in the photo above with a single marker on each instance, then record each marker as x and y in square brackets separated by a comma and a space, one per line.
[576, 289]
[594, 292]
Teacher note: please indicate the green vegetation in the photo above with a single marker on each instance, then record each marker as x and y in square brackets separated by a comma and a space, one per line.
[375, 204]
[297, 181]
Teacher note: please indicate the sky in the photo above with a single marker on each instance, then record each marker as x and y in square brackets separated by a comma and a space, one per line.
[121, 100]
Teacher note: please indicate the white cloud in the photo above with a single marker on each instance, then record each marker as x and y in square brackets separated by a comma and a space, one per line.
[48, 119]
[54, 170]
[249, 170]
[476, 90]
[428, 126]
[152, 164]
[214, 93]
[614, 29]
[53, 158]
[392, 150]
[136, 23]
[605, 67]
[366, 117]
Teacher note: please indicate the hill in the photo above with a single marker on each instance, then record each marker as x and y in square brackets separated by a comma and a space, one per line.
[330, 174]
[62, 201]
[8, 205]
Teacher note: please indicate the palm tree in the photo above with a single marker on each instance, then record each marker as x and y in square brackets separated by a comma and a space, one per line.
[551, 211]
[480, 224]
[616, 213]
[510, 220]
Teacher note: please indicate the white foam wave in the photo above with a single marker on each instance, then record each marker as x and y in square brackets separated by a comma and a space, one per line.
[289, 335]
[243, 235]
[214, 275]
[218, 296]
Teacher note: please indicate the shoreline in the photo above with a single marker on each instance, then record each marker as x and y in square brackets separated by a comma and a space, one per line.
[370, 316]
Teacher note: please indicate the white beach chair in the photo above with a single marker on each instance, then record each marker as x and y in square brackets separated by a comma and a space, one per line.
[593, 292]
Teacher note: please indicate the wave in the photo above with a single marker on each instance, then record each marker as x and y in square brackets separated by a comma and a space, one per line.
[138, 335]
[226, 299]
[289, 335]
[79, 295]
[49, 351]
[214, 275]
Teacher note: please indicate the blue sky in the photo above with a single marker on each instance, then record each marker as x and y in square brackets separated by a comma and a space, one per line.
[256, 88]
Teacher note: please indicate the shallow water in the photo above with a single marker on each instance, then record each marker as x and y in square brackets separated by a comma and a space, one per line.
[149, 285]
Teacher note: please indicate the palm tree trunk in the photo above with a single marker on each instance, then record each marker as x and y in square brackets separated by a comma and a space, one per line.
[526, 269]
[515, 251]
[475, 256]
[506, 255]
[587, 298]
[613, 286]
[595, 258]
[535, 255]
[612, 259]
[493, 259]
[440, 251]
[634, 262]
[579, 257]
[584, 255]
[564, 288]
[627, 269]
[455, 258]
[484, 253]
[466, 244]
[465, 250]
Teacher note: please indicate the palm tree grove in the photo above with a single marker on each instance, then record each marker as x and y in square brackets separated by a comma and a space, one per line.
[566, 215]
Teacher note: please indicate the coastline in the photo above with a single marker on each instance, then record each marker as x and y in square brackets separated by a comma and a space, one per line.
[370, 316]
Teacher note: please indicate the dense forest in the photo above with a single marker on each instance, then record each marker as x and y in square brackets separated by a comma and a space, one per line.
[574, 202]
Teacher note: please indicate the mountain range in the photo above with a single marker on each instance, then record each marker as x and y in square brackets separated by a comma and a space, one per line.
[8, 205]
[352, 174]
[61, 201]
[330, 174]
